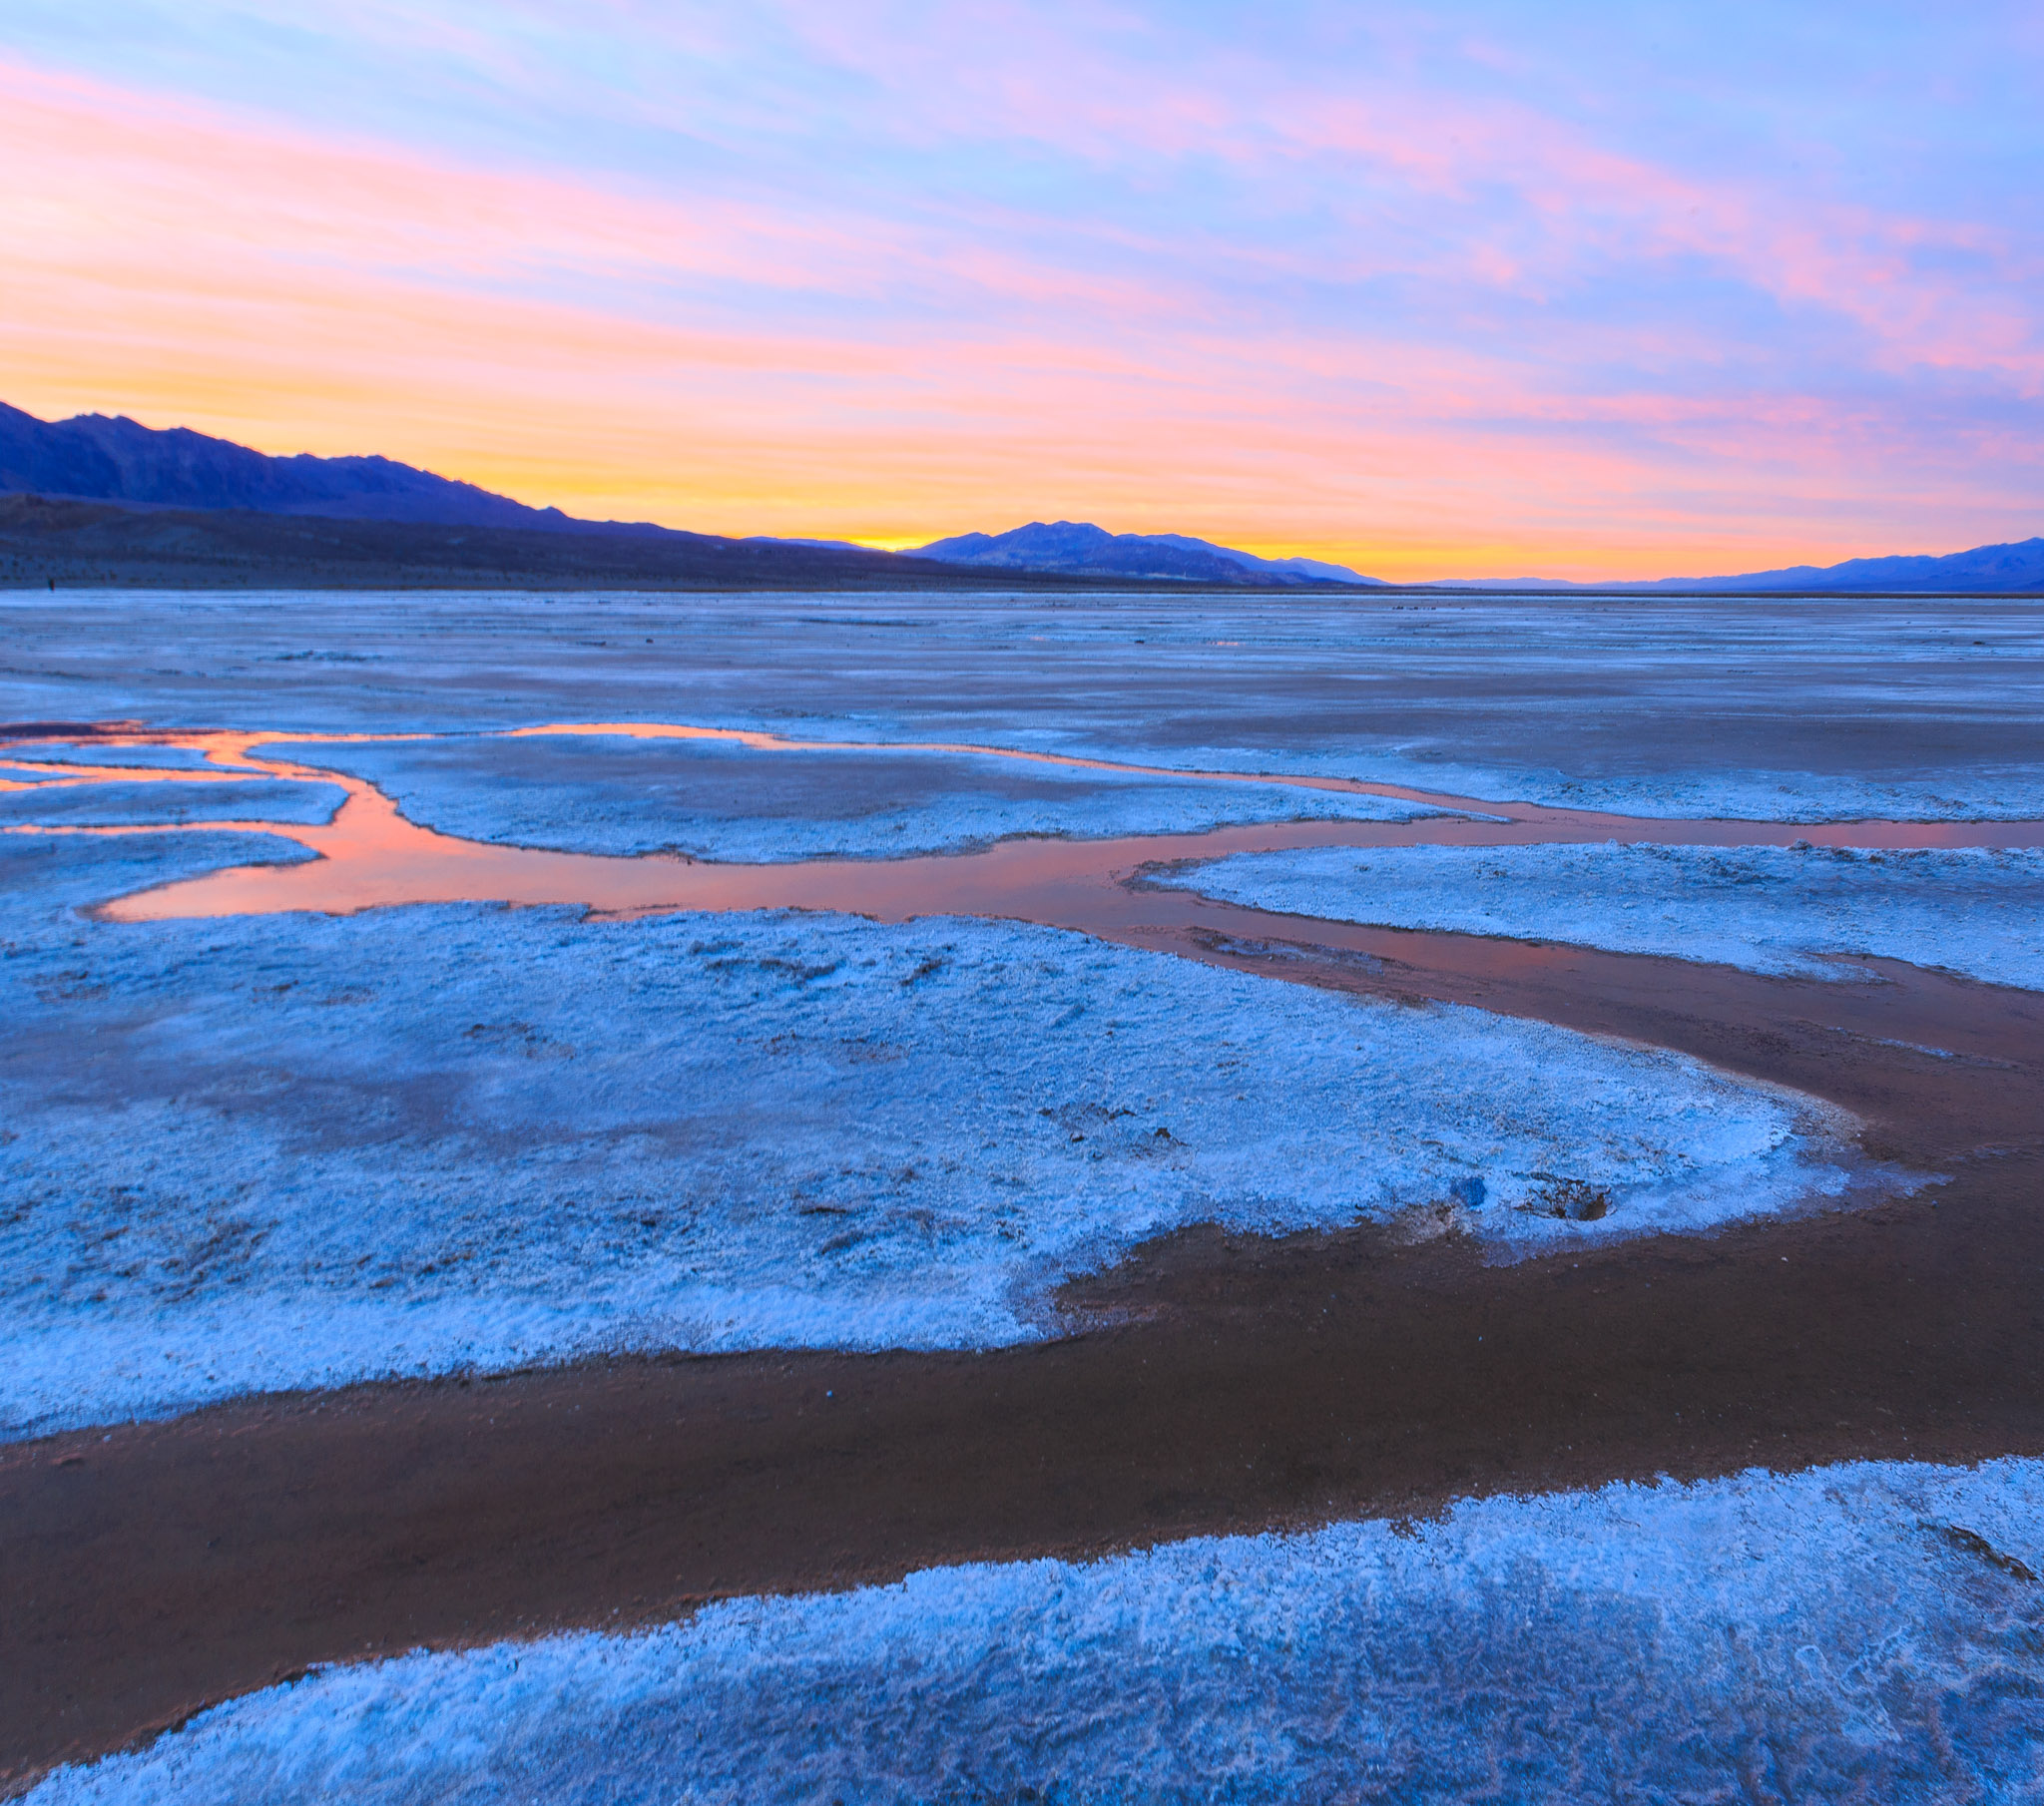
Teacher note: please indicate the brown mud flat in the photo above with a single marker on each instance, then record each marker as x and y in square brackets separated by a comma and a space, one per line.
[1218, 1384]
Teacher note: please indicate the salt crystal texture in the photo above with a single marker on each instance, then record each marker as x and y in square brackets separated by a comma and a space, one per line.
[1975, 910]
[612, 794]
[300, 1150]
[1864, 1632]
[1834, 710]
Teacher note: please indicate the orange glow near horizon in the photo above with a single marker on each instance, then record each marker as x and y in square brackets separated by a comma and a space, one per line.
[196, 265]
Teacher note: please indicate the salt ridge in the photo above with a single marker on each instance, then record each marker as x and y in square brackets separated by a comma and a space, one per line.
[1866, 1631]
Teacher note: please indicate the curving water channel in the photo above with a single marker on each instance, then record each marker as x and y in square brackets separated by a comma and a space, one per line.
[369, 856]
[1225, 1384]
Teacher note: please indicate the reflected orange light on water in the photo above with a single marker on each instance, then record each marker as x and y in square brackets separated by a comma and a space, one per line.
[370, 856]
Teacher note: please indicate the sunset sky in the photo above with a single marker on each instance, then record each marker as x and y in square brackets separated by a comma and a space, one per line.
[1465, 288]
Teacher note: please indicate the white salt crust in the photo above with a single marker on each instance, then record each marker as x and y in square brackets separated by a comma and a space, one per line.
[300, 1150]
[1973, 910]
[1864, 1632]
[612, 794]
[1775, 708]
[166, 803]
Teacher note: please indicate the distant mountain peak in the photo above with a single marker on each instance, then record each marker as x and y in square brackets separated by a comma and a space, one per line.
[1080, 549]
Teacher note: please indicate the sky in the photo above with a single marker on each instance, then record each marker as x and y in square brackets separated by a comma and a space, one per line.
[1467, 289]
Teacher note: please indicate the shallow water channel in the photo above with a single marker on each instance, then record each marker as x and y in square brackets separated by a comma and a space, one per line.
[371, 855]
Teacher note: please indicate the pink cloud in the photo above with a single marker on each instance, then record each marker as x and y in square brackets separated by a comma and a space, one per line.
[732, 364]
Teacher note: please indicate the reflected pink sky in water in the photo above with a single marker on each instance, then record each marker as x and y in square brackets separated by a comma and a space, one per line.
[371, 856]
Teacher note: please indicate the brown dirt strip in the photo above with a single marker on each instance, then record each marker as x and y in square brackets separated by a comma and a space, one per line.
[1226, 1384]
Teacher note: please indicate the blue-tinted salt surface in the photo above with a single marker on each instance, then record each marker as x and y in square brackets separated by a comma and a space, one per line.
[166, 801]
[614, 795]
[1974, 910]
[1867, 1633]
[298, 1151]
[48, 758]
[1775, 708]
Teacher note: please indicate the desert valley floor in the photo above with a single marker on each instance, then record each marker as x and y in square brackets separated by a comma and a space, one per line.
[983, 1197]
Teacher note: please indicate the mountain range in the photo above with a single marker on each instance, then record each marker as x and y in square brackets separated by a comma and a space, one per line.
[120, 464]
[1075, 549]
[1079, 547]
[110, 458]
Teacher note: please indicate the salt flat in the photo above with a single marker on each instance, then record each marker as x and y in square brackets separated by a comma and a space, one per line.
[1866, 1631]
[167, 801]
[294, 1151]
[297, 1151]
[1767, 708]
[51, 761]
[1972, 910]
[709, 800]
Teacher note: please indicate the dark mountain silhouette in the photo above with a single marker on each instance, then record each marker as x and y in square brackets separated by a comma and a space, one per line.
[66, 543]
[133, 472]
[101, 458]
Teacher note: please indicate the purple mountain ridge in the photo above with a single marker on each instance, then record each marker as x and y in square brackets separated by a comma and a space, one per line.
[1076, 548]
[1079, 548]
[112, 459]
